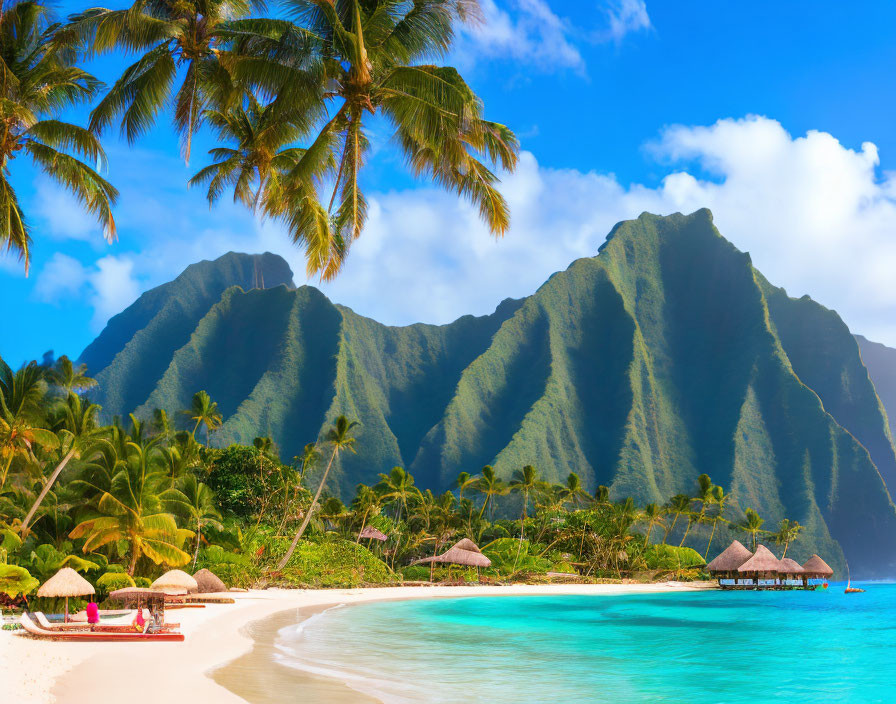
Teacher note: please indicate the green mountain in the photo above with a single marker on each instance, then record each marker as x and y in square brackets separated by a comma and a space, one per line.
[881, 363]
[665, 356]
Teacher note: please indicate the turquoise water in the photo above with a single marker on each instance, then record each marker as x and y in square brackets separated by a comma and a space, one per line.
[679, 647]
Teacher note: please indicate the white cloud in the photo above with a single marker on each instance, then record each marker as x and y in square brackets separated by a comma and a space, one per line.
[62, 277]
[61, 216]
[528, 31]
[625, 17]
[114, 287]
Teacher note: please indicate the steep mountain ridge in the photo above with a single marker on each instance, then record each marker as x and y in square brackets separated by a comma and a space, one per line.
[665, 356]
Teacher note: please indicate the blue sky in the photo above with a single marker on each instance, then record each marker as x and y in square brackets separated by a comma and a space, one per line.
[778, 116]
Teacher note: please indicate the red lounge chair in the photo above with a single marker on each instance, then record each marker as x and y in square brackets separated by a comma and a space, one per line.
[34, 630]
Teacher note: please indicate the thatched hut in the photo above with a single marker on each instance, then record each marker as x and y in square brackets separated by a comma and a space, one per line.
[208, 582]
[816, 568]
[65, 583]
[724, 567]
[176, 579]
[371, 533]
[792, 572]
[763, 567]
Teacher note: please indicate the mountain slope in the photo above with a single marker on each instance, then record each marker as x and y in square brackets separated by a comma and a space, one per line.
[881, 363]
[665, 356]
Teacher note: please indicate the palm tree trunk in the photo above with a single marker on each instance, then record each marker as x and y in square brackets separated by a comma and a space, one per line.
[307, 519]
[784, 554]
[671, 528]
[363, 522]
[484, 504]
[135, 554]
[711, 534]
[198, 540]
[6, 468]
[45, 490]
[686, 531]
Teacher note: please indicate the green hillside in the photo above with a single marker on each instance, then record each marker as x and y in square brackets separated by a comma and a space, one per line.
[881, 363]
[665, 356]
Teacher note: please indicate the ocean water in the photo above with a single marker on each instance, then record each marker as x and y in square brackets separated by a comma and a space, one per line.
[679, 647]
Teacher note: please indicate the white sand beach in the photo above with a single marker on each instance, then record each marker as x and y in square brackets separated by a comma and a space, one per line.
[34, 671]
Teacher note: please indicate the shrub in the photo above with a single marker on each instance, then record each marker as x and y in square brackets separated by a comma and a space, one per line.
[672, 557]
[142, 582]
[111, 581]
[16, 581]
[510, 556]
[334, 562]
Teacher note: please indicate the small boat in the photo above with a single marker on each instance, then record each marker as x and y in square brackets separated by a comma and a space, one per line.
[850, 589]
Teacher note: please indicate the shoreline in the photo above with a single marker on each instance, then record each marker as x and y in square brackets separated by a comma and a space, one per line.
[34, 671]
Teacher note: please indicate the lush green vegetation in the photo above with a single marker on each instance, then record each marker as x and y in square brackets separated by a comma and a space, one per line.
[289, 91]
[665, 357]
[122, 502]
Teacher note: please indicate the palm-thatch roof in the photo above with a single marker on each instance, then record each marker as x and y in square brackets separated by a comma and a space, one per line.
[465, 553]
[138, 595]
[372, 533]
[730, 558]
[176, 579]
[789, 566]
[66, 582]
[763, 560]
[209, 582]
[815, 565]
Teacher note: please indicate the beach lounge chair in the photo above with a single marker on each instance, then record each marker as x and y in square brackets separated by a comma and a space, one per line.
[93, 636]
[45, 623]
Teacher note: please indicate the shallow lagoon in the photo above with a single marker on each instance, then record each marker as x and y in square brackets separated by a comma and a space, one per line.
[679, 647]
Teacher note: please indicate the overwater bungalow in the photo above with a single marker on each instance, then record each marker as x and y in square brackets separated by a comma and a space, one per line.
[738, 568]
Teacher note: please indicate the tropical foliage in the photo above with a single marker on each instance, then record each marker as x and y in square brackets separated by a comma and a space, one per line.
[119, 503]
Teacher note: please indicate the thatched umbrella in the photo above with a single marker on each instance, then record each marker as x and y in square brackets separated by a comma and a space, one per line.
[176, 579]
[464, 552]
[371, 533]
[209, 582]
[816, 567]
[762, 562]
[65, 583]
[730, 559]
[140, 595]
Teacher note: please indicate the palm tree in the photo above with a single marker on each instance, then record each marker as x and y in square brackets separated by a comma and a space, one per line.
[78, 427]
[524, 481]
[21, 416]
[573, 492]
[679, 505]
[69, 378]
[258, 156]
[340, 438]
[489, 485]
[368, 58]
[464, 481]
[309, 456]
[131, 510]
[652, 514]
[602, 495]
[788, 531]
[366, 504]
[397, 487]
[196, 503]
[720, 499]
[39, 80]
[185, 42]
[204, 411]
[752, 525]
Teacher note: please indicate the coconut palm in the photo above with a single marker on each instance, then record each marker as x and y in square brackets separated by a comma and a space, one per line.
[752, 525]
[573, 492]
[22, 416]
[309, 456]
[77, 426]
[205, 412]
[39, 80]
[195, 502]
[370, 58]
[177, 42]
[602, 495]
[464, 481]
[720, 500]
[397, 487]
[489, 484]
[365, 504]
[69, 378]
[131, 510]
[340, 439]
[788, 531]
[679, 505]
[524, 481]
[651, 515]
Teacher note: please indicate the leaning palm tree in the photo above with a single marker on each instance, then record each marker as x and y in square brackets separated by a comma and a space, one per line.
[490, 485]
[787, 532]
[39, 80]
[195, 502]
[370, 57]
[340, 439]
[205, 412]
[178, 42]
[678, 506]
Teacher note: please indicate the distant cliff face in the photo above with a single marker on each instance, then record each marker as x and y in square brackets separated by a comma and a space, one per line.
[665, 356]
[881, 363]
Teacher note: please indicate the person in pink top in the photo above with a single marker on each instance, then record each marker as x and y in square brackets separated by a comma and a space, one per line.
[93, 613]
[139, 621]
